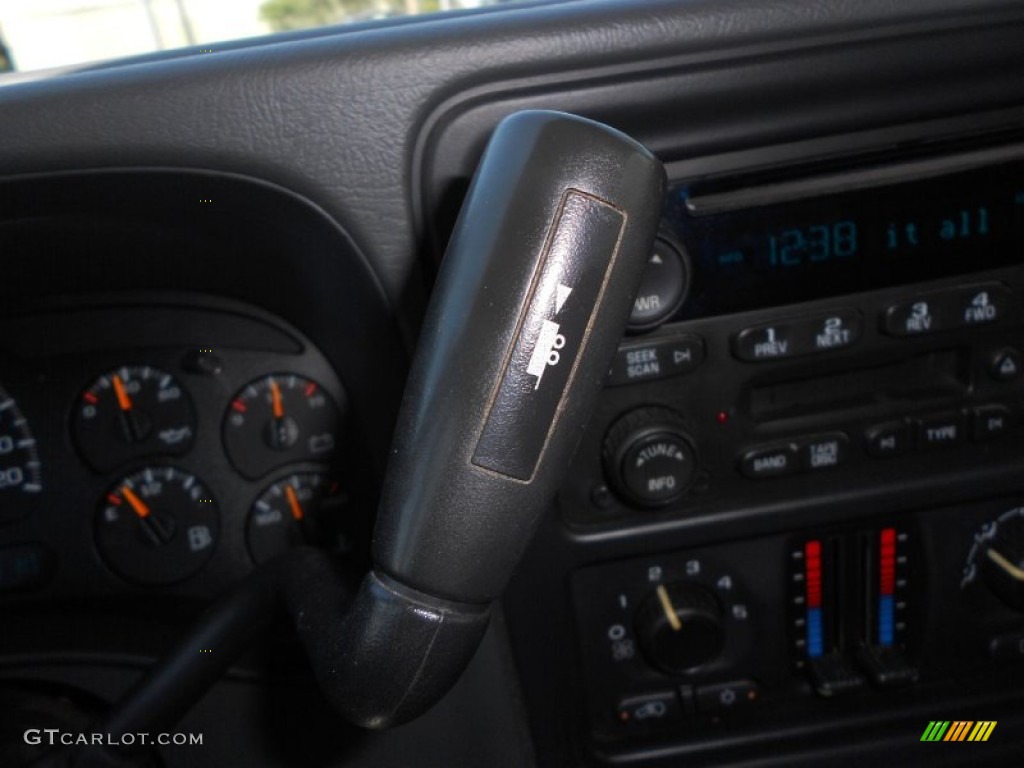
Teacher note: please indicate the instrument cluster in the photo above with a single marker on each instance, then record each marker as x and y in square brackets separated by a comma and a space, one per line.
[172, 454]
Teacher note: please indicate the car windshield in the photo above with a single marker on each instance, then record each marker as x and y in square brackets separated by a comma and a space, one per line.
[47, 34]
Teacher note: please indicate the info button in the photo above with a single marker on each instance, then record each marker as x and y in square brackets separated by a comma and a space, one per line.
[653, 359]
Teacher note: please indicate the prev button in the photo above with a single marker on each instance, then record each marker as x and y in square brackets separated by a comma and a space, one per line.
[836, 330]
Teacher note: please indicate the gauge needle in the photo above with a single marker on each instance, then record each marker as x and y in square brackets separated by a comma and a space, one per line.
[122, 396]
[670, 611]
[293, 502]
[136, 503]
[275, 393]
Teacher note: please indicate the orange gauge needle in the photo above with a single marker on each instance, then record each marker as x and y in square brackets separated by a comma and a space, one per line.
[275, 393]
[122, 396]
[293, 502]
[137, 504]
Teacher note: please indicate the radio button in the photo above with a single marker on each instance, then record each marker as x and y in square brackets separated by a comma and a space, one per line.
[1006, 365]
[886, 440]
[772, 461]
[837, 330]
[663, 287]
[983, 304]
[990, 422]
[924, 315]
[942, 310]
[824, 451]
[805, 336]
[654, 359]
[770, 342]
[940, 430]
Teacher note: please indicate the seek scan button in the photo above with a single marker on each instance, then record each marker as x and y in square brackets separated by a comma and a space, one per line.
[654, 359]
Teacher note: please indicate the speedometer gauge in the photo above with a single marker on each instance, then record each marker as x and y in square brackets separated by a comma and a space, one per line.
[20, 469]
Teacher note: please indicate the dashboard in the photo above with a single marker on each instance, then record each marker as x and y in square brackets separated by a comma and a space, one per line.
[794, 527]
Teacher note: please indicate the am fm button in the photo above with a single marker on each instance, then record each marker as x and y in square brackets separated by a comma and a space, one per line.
[772, 461]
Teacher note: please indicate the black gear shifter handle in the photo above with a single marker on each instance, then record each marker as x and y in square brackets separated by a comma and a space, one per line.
[533, 297]
[531, 302]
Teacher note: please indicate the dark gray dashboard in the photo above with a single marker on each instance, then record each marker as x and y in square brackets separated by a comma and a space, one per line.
[286, 203]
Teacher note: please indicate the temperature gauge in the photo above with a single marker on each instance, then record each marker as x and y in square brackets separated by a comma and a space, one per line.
[131, 412]
[303, 508]
[280, 419]
[157, 526]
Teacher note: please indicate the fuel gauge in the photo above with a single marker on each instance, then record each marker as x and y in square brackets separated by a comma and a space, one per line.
[303, 508]
[280, 419]
[157, 526]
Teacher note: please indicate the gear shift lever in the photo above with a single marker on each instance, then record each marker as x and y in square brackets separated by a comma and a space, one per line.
[531, 301]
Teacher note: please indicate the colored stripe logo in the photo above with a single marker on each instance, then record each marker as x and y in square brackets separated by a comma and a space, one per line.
[958, 730]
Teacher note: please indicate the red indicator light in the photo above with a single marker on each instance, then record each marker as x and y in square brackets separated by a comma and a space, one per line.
[887, 561]
[310, 389]
[722, 417]
[812, 573]
[239, 406]
[115, 500]
[89, 397]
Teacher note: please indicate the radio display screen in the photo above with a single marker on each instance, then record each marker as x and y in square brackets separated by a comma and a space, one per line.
[830, 245]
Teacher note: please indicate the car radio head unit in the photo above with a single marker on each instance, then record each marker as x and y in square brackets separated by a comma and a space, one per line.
[752, 246]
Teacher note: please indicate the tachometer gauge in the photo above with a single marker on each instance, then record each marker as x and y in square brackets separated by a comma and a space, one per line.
[20, 468]
[157, 526]
[131, 412]
[303, 508]
[280, 419]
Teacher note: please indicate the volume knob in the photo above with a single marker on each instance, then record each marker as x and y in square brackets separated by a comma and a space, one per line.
[649, 458]
[679, 627]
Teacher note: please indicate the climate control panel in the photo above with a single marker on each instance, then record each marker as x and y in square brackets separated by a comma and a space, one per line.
[883, 609]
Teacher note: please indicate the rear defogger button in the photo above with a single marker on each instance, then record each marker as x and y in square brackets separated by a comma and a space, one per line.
[551, 334]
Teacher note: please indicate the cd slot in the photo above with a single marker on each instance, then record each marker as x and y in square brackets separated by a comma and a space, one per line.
[932, 376]
[752, 196]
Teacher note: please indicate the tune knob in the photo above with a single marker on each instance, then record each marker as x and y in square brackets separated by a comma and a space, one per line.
[649, 458]
[679, 627]
[1002, 560]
